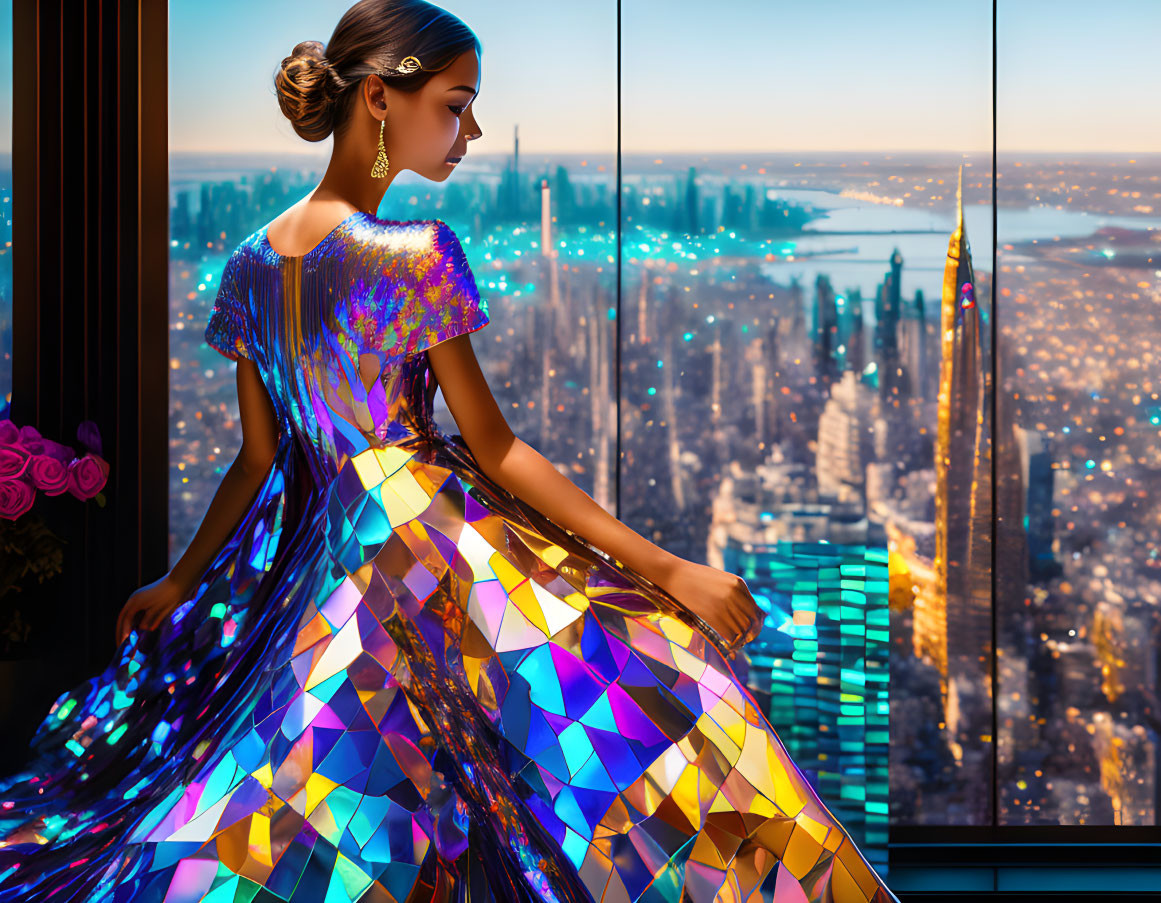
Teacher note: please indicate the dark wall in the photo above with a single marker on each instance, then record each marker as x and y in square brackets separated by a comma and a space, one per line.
[90, 232]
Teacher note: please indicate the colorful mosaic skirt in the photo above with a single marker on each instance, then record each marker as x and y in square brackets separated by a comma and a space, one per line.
[409, 686]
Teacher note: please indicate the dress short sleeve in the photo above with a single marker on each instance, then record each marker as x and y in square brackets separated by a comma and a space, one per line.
[441, 300]
[225, 331]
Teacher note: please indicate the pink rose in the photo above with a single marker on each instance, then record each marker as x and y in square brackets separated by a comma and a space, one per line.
[87, 475]
[16, 497]
[49, 473]
[13, 461]
[9, 432]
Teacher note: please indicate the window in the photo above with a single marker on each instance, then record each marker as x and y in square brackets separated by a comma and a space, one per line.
[1079, 415]
[785, 238]
[771, 276]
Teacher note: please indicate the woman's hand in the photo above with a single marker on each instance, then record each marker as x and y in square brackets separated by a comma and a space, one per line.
[150, 605]
[719, 598]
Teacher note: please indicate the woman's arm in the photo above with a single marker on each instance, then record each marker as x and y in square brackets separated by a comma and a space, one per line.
[243, 479]
[150, 604]
[720, 598]
[527, 474]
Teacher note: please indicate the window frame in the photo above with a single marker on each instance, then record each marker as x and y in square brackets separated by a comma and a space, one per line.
[92, 207]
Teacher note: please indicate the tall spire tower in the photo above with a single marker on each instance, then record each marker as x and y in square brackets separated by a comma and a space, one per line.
[956, 630]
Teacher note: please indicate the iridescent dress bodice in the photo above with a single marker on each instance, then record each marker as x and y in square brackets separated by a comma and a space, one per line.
[337, 334]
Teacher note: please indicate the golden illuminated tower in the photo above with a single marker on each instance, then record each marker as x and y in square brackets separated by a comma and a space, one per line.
[958, 637]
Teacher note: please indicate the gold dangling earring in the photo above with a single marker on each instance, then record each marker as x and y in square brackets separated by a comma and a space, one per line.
[379, 170]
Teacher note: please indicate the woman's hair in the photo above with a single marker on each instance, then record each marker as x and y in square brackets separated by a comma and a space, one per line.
[316, 89]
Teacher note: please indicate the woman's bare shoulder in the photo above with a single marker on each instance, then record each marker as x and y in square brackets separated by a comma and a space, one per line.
[303, 226]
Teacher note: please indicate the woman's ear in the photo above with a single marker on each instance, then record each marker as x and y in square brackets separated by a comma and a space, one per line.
[375, 93]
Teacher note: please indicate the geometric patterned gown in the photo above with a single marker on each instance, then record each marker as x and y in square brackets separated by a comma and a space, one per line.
[396, 681]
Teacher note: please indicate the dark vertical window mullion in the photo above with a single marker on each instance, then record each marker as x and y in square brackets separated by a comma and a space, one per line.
[50, 417]
[620, 240]
[62, 336]
[153, 250]
[125, 459]
[40, 325]
[994, 431]
[81, 130]
[105, 311]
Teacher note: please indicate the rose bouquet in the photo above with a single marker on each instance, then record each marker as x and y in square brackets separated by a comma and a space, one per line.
[30, 464]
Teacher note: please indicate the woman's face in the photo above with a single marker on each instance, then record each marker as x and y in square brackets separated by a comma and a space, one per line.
[428, 131]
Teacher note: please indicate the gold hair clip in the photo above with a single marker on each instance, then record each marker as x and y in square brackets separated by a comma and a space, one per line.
[408, 65]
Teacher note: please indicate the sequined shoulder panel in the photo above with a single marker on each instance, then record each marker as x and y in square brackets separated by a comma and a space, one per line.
[411, 286]
[389, 287]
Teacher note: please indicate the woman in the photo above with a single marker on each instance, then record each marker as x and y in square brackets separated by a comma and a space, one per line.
[388, 667]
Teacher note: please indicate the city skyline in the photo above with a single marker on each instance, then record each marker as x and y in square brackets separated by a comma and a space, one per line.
[778, 411]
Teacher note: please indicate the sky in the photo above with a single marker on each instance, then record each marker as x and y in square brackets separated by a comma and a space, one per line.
[728, 76]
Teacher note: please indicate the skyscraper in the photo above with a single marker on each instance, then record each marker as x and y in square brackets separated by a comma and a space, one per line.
[888, 308]
[963, 503]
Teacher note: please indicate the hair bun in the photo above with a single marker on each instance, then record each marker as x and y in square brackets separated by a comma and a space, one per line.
[401, 42]
[305, 85]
